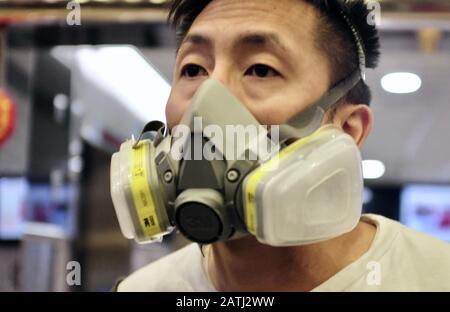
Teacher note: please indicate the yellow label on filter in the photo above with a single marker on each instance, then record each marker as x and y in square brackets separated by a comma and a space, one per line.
[256, 176]
[250, 205]
[143, 200]
[250, 192]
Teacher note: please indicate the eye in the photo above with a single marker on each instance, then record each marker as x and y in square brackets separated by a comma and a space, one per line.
[192, 71]
[262, 71]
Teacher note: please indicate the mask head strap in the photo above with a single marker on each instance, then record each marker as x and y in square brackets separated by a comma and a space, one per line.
[311, 119]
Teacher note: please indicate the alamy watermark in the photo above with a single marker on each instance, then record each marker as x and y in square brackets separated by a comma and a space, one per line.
[74, 16]
[373, 277]
[374, 16]
[73, 277]
[231, 142]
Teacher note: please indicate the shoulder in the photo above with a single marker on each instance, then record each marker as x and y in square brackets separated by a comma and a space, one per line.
[179, 271]
[410, 239]
[419, 260]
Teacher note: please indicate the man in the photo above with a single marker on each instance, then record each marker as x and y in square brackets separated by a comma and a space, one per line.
[279, 57]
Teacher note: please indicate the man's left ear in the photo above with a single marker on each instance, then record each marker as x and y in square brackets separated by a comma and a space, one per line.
[355, 120]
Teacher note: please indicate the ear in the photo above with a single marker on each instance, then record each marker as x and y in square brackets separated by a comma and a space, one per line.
[355, 120]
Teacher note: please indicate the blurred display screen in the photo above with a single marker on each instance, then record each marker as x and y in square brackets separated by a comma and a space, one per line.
[13, 198]
[22, 201]
[47, 204]
[426, 208]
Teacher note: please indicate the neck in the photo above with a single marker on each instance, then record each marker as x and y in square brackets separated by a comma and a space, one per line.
[247, 265]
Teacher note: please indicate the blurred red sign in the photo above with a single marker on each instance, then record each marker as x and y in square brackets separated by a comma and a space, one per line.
[7, 116]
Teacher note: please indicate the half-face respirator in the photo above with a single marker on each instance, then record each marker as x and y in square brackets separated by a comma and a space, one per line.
[220, 175]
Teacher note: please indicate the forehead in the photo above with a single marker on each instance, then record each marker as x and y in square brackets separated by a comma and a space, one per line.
[292, 20]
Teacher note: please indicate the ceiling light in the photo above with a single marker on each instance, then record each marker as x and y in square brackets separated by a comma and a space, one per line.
[124, 74]
[373, 169]
[401, 83]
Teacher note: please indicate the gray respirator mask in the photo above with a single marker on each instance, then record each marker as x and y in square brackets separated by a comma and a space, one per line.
[220, 174]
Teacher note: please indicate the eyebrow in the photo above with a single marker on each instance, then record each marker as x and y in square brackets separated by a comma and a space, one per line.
[261, 39]
[255, 39]
[196, 39]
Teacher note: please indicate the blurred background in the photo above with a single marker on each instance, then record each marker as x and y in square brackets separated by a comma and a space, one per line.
[74, 86]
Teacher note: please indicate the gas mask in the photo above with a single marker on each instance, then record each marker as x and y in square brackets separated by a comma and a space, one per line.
[220, 175]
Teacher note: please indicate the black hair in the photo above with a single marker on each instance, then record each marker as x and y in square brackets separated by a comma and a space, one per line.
[334, 37]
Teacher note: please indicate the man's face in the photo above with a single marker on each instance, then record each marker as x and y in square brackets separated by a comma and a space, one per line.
[262, 50]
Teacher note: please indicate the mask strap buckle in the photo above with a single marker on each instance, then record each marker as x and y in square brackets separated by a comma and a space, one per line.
[155, 126]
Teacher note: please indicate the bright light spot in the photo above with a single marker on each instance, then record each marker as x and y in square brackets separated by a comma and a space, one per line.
[367, 195]
[61, 102]
[76, 164]
[373, 169]
[401, 83]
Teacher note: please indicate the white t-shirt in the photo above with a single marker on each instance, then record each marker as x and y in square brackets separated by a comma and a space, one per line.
[399, 259]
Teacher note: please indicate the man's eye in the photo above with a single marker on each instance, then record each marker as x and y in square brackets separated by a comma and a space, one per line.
[262, 71]
[192, 71]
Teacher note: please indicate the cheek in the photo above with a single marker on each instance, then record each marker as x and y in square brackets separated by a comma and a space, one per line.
[269, 108]
[278, 108]
[175, 109]
[286, 102]
[179, 101]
